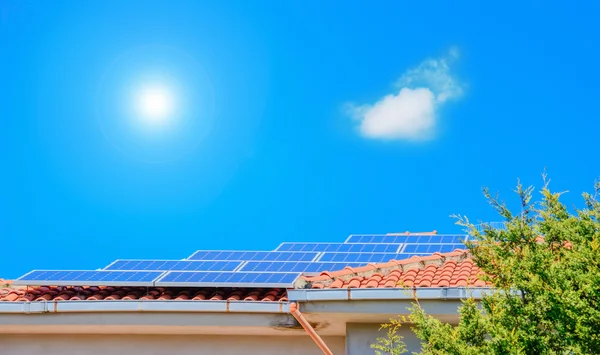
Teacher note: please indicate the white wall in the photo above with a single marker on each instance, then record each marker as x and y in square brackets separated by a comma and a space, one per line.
[358, 340]
[164, 345]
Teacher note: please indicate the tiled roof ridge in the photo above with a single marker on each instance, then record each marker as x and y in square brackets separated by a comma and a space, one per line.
[415, 262]
[109, 293]
[7, 284]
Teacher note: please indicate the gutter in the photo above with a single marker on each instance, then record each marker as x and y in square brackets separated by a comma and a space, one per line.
[144, 306]
[373, 294]
[295, 295]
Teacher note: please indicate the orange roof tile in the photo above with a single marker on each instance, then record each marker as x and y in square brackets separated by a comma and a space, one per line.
[76, 293]
[454, 269]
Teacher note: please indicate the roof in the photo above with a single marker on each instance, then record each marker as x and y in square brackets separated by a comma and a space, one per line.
[454, 269]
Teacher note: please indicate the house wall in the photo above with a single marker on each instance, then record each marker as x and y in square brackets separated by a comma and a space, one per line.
[58, 344]
[359, 338]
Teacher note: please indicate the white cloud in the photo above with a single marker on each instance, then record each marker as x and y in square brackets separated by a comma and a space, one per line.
[411, 113]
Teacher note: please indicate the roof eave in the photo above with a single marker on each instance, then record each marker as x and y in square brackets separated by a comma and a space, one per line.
[382, 294]
[213, 306]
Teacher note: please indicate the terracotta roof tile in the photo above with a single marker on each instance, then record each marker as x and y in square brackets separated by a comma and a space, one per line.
[437, 270]
[61, 293]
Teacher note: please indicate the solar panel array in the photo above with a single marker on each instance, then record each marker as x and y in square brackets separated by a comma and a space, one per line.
[237, 268]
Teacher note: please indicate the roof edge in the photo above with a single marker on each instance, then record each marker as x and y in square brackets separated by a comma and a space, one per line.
[87, 306]
[362, 294]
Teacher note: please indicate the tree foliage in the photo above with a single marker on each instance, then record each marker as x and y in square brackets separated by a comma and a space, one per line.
[544, 268]
[392, 343]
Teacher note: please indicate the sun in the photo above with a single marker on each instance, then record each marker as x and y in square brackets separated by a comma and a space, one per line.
[155, 105]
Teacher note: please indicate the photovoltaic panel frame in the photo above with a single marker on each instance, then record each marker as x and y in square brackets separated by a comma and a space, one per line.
[292, 266]
[408, 238]
[341, 247]
[88, 278]
[428, 249]
[227, 279]
[173, 265]
[236, 255]
[365, 258]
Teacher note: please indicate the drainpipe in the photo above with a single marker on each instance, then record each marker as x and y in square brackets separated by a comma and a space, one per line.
[309, 329]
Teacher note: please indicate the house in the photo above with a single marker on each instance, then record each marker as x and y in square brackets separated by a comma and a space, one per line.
[337, 312]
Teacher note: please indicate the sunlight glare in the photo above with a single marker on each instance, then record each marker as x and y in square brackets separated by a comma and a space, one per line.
[155, 105]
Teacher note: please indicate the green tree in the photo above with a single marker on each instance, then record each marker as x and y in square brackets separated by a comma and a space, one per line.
[392, 343]
[544, 268]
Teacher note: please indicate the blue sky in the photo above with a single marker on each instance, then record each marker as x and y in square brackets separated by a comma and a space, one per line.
[297, 121]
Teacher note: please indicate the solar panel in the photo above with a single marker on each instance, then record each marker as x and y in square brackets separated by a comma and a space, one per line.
[408, 238]
[88, 278]
[231, 255]
[341, 247]
[227, 279]
[278, 268]
[167, 265]
[365, 258]
[301, 266]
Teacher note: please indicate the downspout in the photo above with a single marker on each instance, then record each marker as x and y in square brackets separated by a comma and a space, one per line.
[309, 329]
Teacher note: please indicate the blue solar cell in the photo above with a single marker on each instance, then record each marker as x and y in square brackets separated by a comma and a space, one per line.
[227, 279]
[425, 248]
[375, 239]
[412, 239]
[355, 239]
[433, 248]
[284, 247]
[337, 247]
[207, 255]
[278, 266]
[448, 248]
[88, 278]
[422, 248]
[301, 247]
[410, 248]
[387, 248]
[435, 239]
[166, 265]
[423, 239]
[450, 239]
